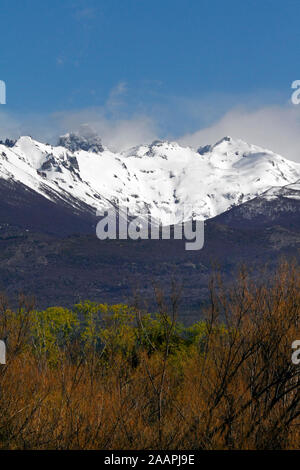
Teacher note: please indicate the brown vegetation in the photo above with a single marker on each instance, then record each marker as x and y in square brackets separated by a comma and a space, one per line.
[115, 377]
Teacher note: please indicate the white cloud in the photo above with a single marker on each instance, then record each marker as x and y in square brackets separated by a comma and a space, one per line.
[116, 96]
[274, 127]
[118, 129]
[9, 125]
[117, 134]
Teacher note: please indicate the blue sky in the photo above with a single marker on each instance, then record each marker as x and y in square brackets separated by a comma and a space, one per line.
[177, 66]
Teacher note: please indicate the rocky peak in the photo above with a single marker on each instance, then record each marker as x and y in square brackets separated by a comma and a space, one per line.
[74, 141]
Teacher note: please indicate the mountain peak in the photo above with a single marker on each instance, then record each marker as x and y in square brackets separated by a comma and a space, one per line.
[208, 148]
[74, 141]
[226, 138]
[8, 142]
[159, 178]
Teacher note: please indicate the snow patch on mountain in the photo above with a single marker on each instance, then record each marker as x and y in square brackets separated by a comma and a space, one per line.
[290, 191]
[170, 182]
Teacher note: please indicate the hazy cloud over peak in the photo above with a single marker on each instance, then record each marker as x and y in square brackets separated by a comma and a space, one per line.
[126, 119]
[274, 127]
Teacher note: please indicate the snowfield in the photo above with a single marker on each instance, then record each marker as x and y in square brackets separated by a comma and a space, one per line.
[167, 181]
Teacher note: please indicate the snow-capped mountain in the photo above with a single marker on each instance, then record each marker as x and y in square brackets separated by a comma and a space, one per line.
[290, 191]
[278, 206]
[163, 179]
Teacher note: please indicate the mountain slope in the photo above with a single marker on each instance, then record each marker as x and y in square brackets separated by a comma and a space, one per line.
[170, 182]
[277, 205]
[65, 270]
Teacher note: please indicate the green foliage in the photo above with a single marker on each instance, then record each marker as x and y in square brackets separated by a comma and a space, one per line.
[89, 315]
[109, 328]
[53, 331]
[118, 332]
[104, 332]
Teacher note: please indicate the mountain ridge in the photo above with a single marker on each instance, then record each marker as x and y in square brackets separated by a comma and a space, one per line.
[170, 182]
